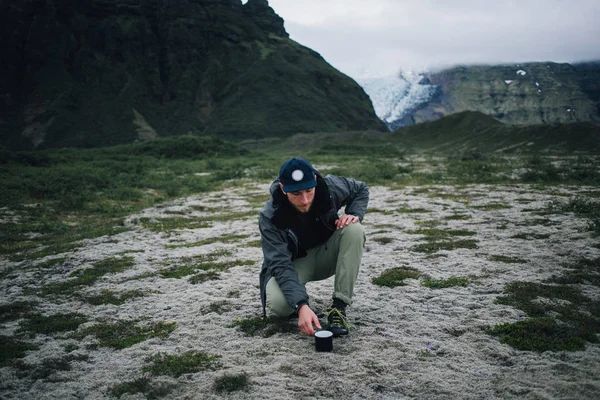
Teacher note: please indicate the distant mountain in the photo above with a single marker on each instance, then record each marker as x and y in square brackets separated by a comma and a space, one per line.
[472, 132]
[103, 72]
[530, 93]
[396, 98]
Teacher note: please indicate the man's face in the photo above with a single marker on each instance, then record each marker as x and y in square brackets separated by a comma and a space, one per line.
[301, 200]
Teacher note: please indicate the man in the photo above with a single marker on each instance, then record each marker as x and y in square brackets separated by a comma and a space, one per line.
[303, 239]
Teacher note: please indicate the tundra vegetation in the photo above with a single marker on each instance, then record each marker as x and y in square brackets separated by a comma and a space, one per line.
[55, 203]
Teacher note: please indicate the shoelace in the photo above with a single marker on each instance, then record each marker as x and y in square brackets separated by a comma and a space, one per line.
[337, 317]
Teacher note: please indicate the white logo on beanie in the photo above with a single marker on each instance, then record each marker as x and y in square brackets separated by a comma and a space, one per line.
[297, 175]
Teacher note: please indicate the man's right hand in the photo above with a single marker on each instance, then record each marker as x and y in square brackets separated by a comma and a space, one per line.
[306, 319]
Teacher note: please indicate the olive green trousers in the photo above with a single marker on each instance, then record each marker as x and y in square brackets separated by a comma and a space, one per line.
[340, 256]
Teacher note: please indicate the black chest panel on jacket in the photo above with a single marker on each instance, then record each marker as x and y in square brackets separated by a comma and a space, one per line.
[312, 228]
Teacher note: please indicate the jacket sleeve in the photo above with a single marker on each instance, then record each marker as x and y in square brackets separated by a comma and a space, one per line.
[350, 193]
[278, 262]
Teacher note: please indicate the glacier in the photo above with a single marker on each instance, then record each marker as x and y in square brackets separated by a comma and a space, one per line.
[396, 97]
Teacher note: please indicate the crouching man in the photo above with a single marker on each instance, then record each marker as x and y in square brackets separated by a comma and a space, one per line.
[303, 239]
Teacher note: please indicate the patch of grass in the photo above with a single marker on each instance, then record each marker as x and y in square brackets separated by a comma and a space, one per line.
[112, 297]
[537, 222]
[50, 250]
[177, 272]
[457, 217]
[446, 283]
[435, 233]
[11, 349]
[539, 334]
[584, 271]
[434, 246]
[223, 239]
[15, 310]
[540, 170]
[218, 307]
[50, 263]
[232, 383]
[204, 277]
[577, 318]
[254, 243]
[395, 276]
[194, 264]
[492, 207]
[412, 210]
[582, 206]
[170, 224]
[89, 276]
[141, 385]
[291, 370]
[122, 334]
[383, 240]
[177, 365]
[530, 236]
[430, 223]
[380, 211]
[40, 324]
[265, 327]
[507, 259]
[48, 366]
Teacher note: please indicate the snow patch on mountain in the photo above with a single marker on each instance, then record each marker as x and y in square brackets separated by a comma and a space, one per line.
[395, 97]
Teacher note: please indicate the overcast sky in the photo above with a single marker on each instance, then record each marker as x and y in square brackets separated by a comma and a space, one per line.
[381, 37]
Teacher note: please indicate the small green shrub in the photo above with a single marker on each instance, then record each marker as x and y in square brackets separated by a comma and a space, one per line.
[111, 297]
[89, 276]
[539, 334]
[395, 276]
[11, 349]
[177, 365]
[265, 326]
[122, 334]
[446, 283]
[575, 317]
[204, 277]
[15, 310]
[507, 259]
[232, 383]
[46, 325]
[434, 246]
[143, 385]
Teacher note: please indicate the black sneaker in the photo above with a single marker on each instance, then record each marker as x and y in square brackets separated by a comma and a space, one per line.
[338, 324]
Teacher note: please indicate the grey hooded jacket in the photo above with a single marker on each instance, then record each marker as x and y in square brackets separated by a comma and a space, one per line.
[280, 244]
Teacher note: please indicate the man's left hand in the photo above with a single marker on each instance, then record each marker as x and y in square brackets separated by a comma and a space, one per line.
[346, 220]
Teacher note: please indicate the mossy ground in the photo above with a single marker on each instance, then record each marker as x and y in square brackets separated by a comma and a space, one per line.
[439, 213]
[122, 334]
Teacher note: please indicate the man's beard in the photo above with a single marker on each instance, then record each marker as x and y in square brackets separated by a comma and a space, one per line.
[306, 211]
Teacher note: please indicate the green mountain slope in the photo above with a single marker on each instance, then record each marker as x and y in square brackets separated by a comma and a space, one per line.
[471, 131]
[105, 72]
[529, 93]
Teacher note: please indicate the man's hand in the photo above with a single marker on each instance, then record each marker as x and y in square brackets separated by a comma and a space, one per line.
[306, 319]
[346, 220]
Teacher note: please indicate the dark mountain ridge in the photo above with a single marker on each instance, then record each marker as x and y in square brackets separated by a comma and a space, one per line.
[103, 72]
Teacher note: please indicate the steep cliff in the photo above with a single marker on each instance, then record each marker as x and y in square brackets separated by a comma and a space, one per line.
[103, 72]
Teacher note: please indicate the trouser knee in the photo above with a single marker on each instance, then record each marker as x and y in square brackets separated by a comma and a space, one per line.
[354, 232]
[276, 301]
